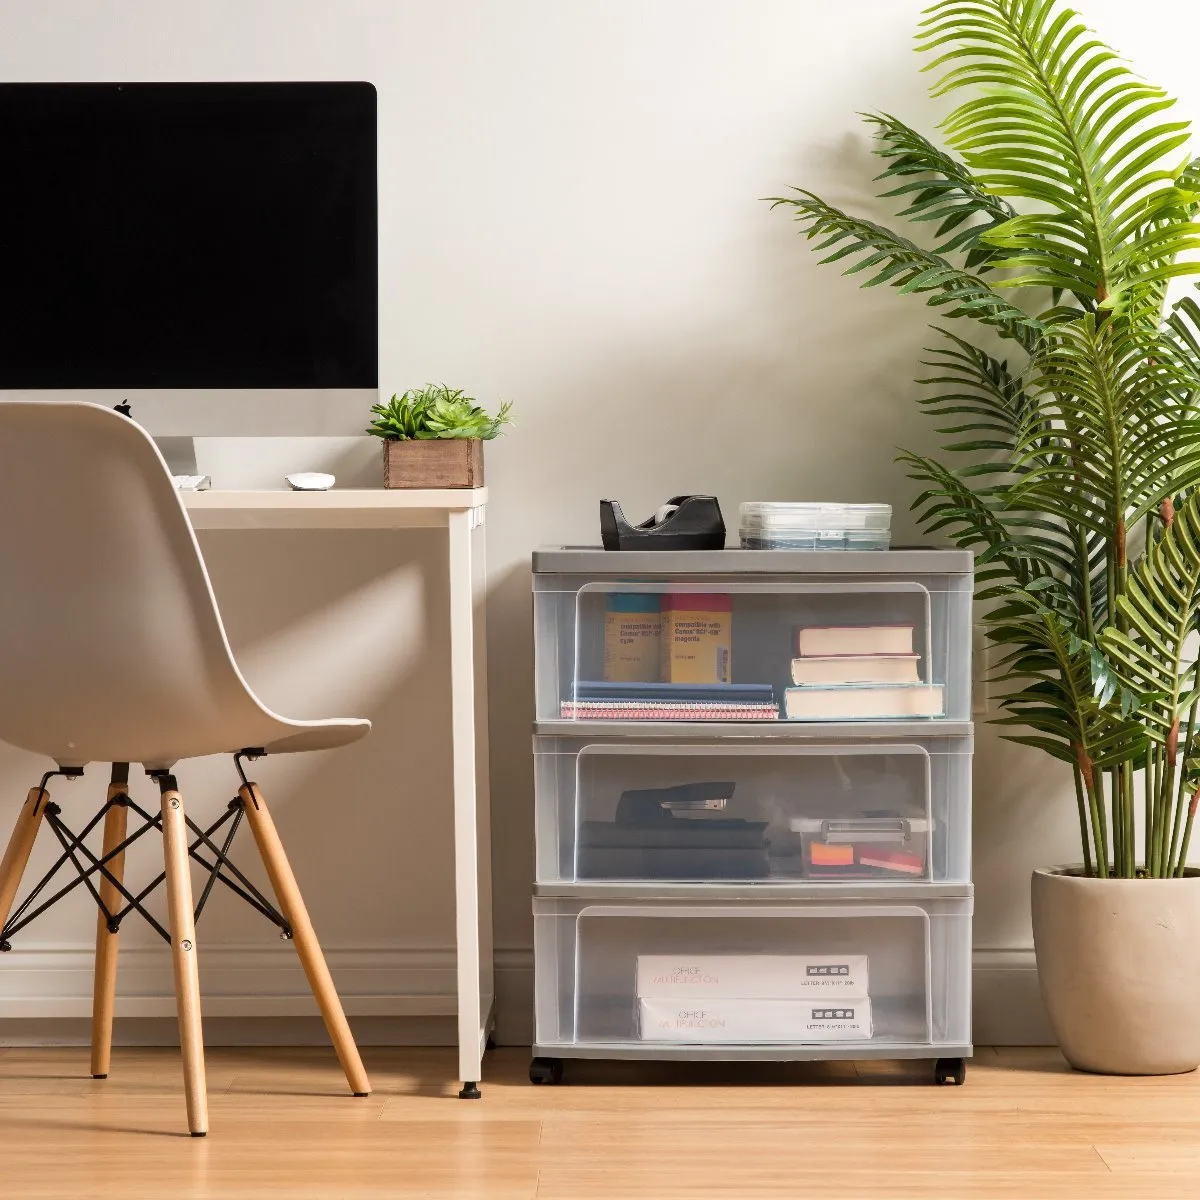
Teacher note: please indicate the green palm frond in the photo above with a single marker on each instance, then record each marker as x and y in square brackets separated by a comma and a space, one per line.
[1111, 397]
[1183, 329]
[1036, 555]
[1063, 123]
[909, 268]
[1069, 695]
[1076, 471]
[1158, 611]
[984, 399]
[938, 188]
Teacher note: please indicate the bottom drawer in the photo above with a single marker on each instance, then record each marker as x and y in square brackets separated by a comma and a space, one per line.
[745, 973]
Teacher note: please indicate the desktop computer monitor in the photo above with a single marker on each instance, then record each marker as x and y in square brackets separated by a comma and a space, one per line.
[208, 251]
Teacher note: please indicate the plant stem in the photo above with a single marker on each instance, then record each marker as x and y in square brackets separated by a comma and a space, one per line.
[1181, 865]
[1128, 808]
[1149, 800]
[1084, 835]
[1118, 820]
[1175, 831]
[1163, 812]
[1094, 783]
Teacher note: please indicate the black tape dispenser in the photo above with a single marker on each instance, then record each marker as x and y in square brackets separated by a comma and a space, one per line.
[683, 523]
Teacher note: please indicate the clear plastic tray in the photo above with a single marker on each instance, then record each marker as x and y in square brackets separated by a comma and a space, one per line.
[770, 515]
[814, 539]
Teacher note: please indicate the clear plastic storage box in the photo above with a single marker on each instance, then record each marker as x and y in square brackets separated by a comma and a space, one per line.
[889, 808]
[619, 624]
[795, 526]
[619, 976]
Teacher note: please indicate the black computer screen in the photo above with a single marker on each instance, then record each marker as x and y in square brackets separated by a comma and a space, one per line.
[188, 235]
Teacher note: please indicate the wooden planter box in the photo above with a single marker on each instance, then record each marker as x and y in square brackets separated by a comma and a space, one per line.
[438, 463]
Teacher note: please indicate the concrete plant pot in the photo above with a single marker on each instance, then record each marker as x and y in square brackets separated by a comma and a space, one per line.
[1119, 966]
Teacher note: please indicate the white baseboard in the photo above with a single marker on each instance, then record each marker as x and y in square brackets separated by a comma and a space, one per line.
[253, 980]
[394, 990]
[1008, 1009]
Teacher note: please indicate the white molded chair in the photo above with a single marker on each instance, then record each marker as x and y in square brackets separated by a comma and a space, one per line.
[112, 651]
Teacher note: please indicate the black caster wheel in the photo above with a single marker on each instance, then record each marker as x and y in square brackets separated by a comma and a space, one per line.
[950, 1070]
[546, 1070]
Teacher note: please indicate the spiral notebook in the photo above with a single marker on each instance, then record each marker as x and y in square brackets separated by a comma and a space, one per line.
[599, 700]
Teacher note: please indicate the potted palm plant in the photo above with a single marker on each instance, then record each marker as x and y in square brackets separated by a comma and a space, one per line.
[1056, 220]
[433, 437]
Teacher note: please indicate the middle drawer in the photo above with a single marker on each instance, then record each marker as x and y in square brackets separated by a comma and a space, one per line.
[892, 809]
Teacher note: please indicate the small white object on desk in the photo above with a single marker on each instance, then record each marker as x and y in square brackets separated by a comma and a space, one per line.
[311, 481]
[191, 483]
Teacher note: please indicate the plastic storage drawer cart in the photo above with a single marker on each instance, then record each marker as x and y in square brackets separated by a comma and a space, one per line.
[749, 843]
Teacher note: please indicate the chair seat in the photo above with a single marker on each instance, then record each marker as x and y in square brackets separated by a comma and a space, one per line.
[262, 730]
[320, 735]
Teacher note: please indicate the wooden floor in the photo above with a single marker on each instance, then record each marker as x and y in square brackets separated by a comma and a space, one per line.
[282, 1126]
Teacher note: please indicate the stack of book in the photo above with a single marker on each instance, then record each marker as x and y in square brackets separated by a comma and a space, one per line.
[857, 673]
[602, 700]
[740, 998]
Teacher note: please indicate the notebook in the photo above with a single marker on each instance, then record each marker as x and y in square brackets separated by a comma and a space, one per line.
[603, 701]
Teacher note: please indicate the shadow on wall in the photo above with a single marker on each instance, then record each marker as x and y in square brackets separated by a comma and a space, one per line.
[322, 624]
[754, 393]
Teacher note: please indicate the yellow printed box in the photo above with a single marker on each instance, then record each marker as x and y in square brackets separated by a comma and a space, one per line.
[632, 638]
[697, 638]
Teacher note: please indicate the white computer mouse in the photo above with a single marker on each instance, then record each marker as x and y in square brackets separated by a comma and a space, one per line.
[311, 481]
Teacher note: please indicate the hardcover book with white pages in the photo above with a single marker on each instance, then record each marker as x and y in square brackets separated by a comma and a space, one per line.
[817, 641]
[738, 1020]
[751, 976]
[857, 668]
[863, 702]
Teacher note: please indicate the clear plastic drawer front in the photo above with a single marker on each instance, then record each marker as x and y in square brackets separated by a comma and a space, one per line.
[782, 811]
[742, 974]
[721, 646]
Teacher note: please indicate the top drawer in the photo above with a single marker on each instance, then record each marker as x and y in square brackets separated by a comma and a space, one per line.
[888, 635]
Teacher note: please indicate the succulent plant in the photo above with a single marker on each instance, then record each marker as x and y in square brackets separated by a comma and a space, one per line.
[435, 411]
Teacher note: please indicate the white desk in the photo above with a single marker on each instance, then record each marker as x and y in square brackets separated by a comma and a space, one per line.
[460, 513]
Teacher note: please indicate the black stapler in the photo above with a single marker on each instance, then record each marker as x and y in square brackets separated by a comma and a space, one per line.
[657, 806]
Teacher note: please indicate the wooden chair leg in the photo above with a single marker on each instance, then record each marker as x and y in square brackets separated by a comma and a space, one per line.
[104, 986]
[20, 846]
[183, 954]
[307, 946]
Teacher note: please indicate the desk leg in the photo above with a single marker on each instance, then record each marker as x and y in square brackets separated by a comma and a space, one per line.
[472, 842]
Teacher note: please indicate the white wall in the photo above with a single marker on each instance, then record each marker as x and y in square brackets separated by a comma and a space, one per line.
[570, 218]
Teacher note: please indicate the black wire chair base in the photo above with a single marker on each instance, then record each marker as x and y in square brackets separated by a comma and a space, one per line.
[212, 857]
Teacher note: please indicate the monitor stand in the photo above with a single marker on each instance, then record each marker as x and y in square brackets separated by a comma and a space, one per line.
[180, 454]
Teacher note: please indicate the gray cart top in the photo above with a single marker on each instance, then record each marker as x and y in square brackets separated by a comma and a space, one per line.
[592, 560]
